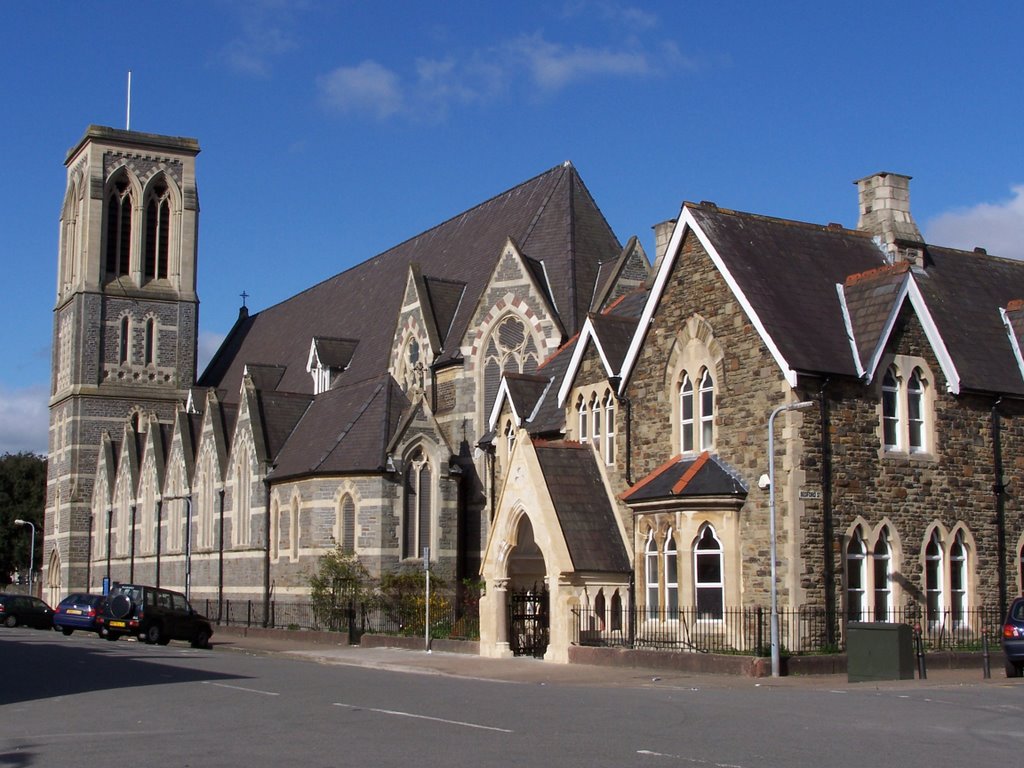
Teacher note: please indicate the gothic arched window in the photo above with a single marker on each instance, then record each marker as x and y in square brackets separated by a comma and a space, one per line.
[158, 228]
[119, 228]
[856, 577]
[417, 507]
[708, 571]
[510, 347]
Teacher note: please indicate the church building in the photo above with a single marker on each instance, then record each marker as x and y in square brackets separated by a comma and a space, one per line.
[615, 449]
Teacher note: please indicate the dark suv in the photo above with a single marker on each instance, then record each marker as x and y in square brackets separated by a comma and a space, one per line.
[153, 615]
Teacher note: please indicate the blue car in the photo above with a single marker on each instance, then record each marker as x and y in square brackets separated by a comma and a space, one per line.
[79, 611]
[1013, 638]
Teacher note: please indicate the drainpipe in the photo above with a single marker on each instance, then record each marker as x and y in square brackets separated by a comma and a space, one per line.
[220, 559]
[159, 522]
[266, 553]
[131, 549]
[999, 489]
[110, 514]
[828, 565]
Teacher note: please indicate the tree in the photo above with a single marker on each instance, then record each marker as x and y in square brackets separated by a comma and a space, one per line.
[340, 581]
[22, 497]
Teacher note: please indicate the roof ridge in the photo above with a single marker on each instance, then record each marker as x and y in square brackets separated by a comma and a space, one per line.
[899, 268]
[838, 228]
[418, 235]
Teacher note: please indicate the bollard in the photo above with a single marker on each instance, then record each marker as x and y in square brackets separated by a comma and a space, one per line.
[986, 660]
[922, 672]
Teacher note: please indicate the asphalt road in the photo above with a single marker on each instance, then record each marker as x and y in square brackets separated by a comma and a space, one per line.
[82, 701]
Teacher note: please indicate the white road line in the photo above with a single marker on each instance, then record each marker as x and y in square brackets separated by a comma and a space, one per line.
[425, 717]
[240, 688]
[694, 760]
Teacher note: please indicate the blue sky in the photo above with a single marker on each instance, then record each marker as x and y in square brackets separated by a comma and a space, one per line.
[331, 131]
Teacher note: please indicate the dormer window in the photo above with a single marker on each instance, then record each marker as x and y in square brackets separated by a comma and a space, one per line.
[328, 358]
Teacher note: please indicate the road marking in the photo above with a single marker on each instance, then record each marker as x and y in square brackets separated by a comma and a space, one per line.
[694, 760]
[240, 688]
[425, 717]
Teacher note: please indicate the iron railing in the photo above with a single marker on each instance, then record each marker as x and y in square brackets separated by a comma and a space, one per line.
[375, 616]
[747, 630]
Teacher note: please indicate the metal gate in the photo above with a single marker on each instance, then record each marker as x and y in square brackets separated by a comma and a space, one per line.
[528, 622]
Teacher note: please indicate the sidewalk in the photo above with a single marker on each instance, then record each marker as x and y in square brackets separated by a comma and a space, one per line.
[302, 645]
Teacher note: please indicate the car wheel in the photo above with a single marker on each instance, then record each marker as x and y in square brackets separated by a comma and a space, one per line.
[1014, 668]
[153, 634]
[11, 621]
[201, 640]
[120, 606]
[67, 631]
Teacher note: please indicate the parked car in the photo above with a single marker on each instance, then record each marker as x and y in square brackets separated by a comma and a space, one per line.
[1013, 638]
[79, 611]
[23, 609]
[153, 615]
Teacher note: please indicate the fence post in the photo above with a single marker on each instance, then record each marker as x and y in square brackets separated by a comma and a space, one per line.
[986, 665]
[760, 631]
[922, 672]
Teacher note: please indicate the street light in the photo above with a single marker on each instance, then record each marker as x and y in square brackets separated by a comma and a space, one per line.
[188, 541]
[771, 523]
[31, 551]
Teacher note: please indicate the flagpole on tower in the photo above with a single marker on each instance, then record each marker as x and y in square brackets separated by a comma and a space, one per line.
[128, 115]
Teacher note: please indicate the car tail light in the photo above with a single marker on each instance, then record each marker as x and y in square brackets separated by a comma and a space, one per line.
[1012, 631]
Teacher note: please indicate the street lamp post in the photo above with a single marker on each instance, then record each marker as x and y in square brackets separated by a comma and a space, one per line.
[188, 541]
[771, 525]
[31, 551]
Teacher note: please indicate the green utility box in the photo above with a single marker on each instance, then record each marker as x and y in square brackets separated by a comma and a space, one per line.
[878, 650]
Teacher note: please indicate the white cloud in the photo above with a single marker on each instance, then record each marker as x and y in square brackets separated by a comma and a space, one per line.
[259, 43]
[553, 66]
[367, 87]
[996, 227]
[24, 420]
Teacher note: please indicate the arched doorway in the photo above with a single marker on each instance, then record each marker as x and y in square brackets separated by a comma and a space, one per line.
[528, 600]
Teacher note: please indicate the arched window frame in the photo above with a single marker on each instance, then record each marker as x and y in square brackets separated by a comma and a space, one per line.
[670, 566]
[510, 345]
[906, 407]
[856, 557]
[417, 505]
[347, 523]
[651, 577]
[157, 235]
[124, 340]
[686, 415]
[709, 574]
[706, 399]
[934, 580]
[959, 580]
[149, 346]
[118, 233]
[583, 419]
[609, 428]
[882, 570]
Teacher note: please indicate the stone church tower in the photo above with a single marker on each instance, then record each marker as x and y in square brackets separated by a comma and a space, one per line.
[125, 324]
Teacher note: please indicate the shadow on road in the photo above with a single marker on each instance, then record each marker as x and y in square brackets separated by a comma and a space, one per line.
[82, 666]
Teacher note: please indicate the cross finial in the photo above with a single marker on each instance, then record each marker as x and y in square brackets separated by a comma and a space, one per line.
[244, 296]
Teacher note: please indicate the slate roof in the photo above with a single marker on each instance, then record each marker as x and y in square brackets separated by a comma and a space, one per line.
[335, 353]
[689, 477]
[870, 298]
[343, 430]
[614, 332]
[964, 291]
[789, 271]
[551, 217]
[581, 504]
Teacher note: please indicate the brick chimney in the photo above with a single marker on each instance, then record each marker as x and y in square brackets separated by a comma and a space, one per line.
[884, 200]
